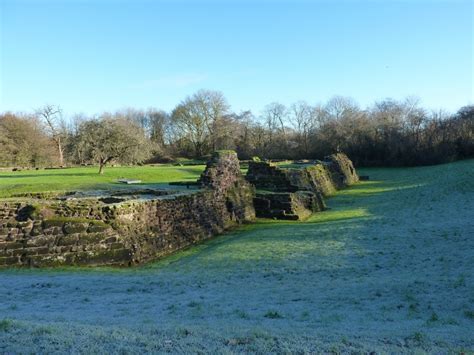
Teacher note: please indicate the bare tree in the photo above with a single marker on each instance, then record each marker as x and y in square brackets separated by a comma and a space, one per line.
[213, 109]
[158, 122]
[23, 142]
[339, 107]
[303, 119]
[389, 132]
[275, 116]
[190, 125]
[198, 119]
[110, 139]
[52, 117]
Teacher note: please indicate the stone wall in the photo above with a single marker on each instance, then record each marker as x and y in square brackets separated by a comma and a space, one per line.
[287, 205]
[342, 170]
[90, 231]
[121, 230]
[277, 187]
[325, 177]
[268, 176]
[28, 238]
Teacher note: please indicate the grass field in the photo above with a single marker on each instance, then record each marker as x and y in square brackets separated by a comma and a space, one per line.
[389, 268]
[84, 178]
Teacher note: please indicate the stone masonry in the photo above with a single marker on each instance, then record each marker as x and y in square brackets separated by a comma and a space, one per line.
[298, 192]
[92, 232]
[120, 230]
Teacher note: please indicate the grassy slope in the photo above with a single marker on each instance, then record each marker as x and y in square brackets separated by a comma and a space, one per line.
[389, 268]
[12, 183]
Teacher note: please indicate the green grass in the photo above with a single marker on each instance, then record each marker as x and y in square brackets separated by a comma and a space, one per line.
[187, 161]
[85, 178]
[371, 274]
[286, 165]
[5, 325]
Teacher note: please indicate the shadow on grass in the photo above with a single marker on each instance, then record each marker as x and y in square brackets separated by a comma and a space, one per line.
[261, 244]
[268, 239]
[350, 213]
[350, 210]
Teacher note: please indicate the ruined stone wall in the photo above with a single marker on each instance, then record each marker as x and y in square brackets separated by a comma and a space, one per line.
[287, 205]
[27, 238]
[116, 231]
[342, 170]
[268, 176]
[278, 187]
[92, 232]
[325, 177]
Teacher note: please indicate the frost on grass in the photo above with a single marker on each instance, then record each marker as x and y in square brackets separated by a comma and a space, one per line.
[389, 268]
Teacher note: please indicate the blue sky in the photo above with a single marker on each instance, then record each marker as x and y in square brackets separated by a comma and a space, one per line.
[92, 56]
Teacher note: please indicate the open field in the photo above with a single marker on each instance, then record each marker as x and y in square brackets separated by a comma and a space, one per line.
[84, 178]
[389, 268]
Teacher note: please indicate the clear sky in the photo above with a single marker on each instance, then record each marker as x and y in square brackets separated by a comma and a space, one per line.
[90, 56]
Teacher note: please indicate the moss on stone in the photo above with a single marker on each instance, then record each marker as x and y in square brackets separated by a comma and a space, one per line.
[103, 257]
[98, 227]
[67, 240]
[48, 223]
[224, 153]
[75, 227]
[62, 221]
[90, 238]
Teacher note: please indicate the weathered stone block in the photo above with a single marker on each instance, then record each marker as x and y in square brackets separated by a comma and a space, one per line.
[75, 227]
[9, 260]
[39, 250]
[285, 205]
[40, 240]
[48, 223]
[90, 239]
[70, 239]
[106, 257]
[13, 245]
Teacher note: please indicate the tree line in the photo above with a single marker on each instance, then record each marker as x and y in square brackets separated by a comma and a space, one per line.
[387, 133]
